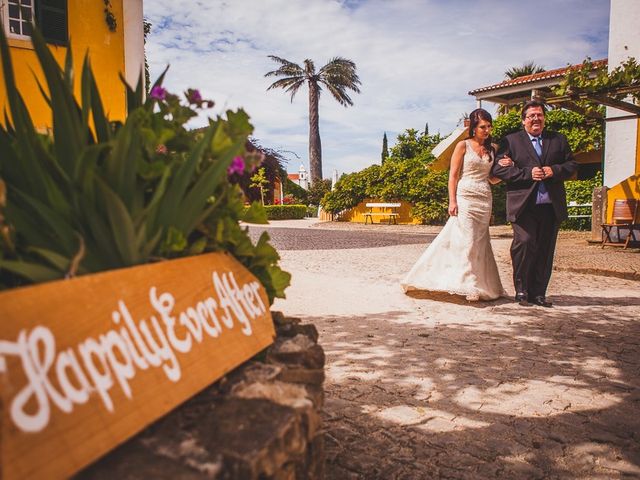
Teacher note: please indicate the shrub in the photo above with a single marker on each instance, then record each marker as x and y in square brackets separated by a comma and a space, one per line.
[580, 192]
[285, 212]
[397, 179]
[318, 190]
[296, 191]
[97, 195]
[351, 189]
[582, 135]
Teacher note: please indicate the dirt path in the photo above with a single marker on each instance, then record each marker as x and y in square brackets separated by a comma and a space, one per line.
[419, 388]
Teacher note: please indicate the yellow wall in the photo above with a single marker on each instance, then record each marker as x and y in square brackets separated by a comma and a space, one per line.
[356, 214]
[87, 31]
[630, 188]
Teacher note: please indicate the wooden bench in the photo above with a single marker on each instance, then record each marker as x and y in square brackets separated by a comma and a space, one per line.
[389, 210]
[625, 216]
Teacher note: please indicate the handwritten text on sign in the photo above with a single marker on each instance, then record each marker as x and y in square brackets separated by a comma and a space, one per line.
[75, 351]
[116, 355]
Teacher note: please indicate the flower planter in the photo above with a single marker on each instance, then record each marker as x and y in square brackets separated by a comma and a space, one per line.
[88, 362]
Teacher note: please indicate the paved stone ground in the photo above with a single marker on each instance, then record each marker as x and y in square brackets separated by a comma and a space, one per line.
[423, 387]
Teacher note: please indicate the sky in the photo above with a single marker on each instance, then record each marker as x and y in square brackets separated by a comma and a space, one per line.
[417, 61]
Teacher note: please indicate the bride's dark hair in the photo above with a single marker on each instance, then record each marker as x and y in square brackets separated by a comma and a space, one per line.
[474, 119]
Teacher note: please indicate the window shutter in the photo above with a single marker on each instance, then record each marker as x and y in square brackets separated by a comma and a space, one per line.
[52, 20]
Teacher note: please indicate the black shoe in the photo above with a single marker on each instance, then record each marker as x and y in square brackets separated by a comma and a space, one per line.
[522, 299]
[542, 302]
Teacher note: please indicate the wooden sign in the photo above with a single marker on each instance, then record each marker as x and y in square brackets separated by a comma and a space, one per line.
[88, 362]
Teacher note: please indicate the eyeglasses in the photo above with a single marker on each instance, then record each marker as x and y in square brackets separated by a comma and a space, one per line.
[534, 115]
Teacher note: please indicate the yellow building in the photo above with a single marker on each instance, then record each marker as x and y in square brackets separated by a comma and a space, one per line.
[622, 148]
[112, 35]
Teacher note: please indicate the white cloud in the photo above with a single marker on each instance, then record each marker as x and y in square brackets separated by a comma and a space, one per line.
[417, 59]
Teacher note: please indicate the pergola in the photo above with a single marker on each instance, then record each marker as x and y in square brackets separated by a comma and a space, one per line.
[535, 86]
[540, 86]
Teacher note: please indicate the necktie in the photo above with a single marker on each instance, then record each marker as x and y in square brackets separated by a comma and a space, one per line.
[537, 145]
[542, 194]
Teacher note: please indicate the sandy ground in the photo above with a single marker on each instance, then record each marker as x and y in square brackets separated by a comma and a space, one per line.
[419, 387]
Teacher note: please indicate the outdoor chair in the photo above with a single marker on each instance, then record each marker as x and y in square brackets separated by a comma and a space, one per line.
[625, 217]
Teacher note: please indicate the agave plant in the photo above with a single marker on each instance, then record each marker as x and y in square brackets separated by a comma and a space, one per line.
[94, 195]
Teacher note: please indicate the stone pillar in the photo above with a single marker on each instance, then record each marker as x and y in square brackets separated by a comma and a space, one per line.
[598, 212]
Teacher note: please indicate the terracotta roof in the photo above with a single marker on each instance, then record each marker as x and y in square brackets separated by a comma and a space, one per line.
[293, 176]
[558, 72]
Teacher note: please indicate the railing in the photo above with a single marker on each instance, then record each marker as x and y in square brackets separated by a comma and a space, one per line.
[572, 205]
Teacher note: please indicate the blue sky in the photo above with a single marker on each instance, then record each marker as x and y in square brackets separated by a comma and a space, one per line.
[417, 60]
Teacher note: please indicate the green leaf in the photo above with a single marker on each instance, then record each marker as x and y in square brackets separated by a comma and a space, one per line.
[100, 120]
[34, 272]
[198, 246]
[121, 165]
[68, 130]
[255, 214]
[54, 227]
[265, 254]
[280, 280]
[170, 211]
[60, 262]
[120, 223]
[174, 242]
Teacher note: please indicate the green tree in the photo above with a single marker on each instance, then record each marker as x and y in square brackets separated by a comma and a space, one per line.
[583, 136]
[397, 179]
[259, 180]
[296, 191]
[412, 144]
[526, 69]
[318, 190]
[512, 73]
[385, 148]
[338, 76]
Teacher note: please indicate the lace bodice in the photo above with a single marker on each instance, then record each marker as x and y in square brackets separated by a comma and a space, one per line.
[475, 168]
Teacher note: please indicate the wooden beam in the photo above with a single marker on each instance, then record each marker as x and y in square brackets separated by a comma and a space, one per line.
[612, 102]
[574, 107]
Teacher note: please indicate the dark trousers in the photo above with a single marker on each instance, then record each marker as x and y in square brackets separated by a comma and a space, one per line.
[534, 243]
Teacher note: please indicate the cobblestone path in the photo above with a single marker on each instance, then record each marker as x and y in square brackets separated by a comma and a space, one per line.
[420, 387]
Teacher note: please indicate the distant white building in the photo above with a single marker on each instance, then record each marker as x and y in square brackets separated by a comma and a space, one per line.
[301, 178]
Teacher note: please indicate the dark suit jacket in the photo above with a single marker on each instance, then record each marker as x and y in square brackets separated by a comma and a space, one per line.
[556, 153]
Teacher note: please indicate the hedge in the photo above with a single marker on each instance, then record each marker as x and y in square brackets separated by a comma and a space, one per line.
[285, 212]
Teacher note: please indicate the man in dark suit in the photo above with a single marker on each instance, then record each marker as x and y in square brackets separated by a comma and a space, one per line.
[536, 200]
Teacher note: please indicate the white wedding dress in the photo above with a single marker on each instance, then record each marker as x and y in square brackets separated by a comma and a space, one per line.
[460, 259]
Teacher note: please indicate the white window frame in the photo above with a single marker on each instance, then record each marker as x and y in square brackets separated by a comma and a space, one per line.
[4, 11]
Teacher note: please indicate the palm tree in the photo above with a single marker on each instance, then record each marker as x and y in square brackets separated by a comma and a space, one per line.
[338, 76]
[515, 72]
[526, 69]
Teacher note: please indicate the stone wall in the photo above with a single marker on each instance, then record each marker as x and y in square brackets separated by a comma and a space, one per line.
[261, 421]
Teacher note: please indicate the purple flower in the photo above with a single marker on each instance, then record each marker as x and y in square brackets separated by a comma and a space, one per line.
[237, 166]
[193, 96]
[158, 93]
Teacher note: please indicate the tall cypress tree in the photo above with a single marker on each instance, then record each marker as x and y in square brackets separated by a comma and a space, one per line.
[385, 148]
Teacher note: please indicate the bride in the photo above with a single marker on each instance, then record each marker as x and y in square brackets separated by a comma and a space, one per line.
[460, 260]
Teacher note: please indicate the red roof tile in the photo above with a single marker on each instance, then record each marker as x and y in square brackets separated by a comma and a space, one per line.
[558, 72]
